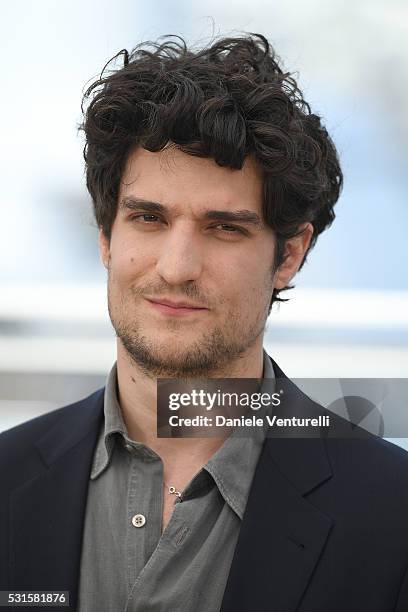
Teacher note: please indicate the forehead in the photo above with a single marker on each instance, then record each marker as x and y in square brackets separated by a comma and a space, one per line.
[176, 178]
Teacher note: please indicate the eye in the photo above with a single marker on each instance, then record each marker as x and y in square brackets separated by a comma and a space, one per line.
[152, 217]
[231, 229]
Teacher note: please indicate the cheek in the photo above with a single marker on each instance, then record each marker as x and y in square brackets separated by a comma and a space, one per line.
[244, 293]
[129, 260]
[247, 276]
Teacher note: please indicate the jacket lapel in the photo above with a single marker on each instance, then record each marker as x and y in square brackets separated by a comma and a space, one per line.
[282, 535]
[47, 512]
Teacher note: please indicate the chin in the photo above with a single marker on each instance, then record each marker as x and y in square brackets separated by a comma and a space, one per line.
[173, 357]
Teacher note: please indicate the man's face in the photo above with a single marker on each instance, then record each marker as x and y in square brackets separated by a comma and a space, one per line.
[174, 252]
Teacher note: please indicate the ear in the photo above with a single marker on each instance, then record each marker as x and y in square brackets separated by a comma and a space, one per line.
[295, 249]
[104, 250]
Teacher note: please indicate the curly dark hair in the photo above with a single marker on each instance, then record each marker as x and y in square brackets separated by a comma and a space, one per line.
[225, 101]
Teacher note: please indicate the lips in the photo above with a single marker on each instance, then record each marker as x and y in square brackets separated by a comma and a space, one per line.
[176, 309]
[177, 304]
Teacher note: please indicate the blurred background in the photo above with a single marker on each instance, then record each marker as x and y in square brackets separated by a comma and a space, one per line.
[347, 316]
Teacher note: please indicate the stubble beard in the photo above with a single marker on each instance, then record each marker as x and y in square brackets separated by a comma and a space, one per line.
[209, 356]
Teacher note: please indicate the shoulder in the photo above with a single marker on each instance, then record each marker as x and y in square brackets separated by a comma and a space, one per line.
[17, 440]
[371, 460]
[364, 452]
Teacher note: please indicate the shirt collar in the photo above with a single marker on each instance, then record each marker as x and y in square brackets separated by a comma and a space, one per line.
[114, 427]
[232, 466]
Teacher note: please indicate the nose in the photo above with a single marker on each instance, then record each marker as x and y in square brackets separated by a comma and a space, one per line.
[180, 256]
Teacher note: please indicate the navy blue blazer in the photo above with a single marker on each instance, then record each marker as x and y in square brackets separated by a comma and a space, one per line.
[325, 528]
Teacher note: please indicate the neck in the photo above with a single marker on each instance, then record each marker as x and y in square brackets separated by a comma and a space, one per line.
[138, 402]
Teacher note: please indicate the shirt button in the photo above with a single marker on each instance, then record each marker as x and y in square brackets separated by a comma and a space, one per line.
[138, 520]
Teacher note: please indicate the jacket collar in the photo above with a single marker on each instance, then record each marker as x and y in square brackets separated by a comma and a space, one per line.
[314, 468]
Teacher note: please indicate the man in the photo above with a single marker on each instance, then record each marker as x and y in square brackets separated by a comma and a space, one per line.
[211, 180]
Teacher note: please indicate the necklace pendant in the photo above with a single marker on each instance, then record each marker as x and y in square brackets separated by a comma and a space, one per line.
[173, 491]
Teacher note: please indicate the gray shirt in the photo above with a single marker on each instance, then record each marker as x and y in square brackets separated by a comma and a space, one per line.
[127, 564]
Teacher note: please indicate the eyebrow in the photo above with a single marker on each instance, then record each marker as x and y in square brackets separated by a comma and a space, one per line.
[248, 217]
